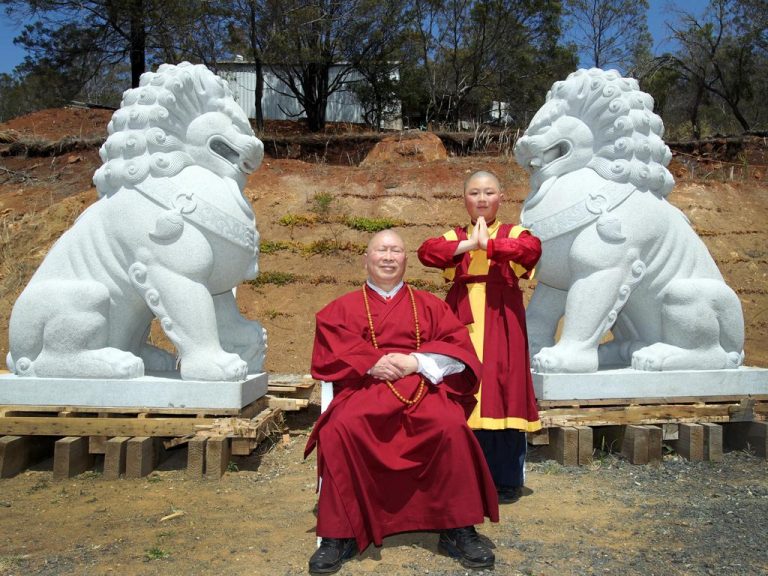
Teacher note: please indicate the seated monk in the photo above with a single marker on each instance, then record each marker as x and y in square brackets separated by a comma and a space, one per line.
[395, 453]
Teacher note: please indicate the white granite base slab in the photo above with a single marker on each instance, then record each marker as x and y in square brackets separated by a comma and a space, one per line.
[160, 390]
[629, 383]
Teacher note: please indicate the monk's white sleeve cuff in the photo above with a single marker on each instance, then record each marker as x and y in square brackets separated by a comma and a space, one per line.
[435, 367]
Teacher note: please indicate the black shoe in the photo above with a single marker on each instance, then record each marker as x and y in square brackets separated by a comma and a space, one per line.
[331, 554]
[465, 545]
[509, 495]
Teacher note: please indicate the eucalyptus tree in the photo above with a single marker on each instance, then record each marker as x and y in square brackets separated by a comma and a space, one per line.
[83, 37]
[608, 33]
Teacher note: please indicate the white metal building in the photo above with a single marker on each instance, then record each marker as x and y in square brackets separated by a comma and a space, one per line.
[277, 102]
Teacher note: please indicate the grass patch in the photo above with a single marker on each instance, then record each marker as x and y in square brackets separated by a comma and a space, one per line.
[155, 553]
[364, 224]
[294, 220]
[277, 278]
[267, 247]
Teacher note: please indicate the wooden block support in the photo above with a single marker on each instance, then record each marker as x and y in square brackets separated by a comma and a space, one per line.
[713, 442]
[539, 438]
[564, 446]
[635, 444]
[140, 457]
[196, 456]
[97, 444]
[242, 446]
[690, 442]
[17, 453]
[655, 443]
[70, 457]
[586, 445]
[115, 450]
[217, 453]
[748, 435]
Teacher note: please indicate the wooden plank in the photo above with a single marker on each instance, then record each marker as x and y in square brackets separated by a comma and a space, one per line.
[140, 457]
[17, 453]
[115, 450]
[545, 404]
[635, 444]
[21, 409]
[70, 457]
[690, 444]
[217, 453]
[586, 445]
[713, 442]
[538, 438]
[254, 408]
[564, 446]
[751, 436]
[618, 415]
[287, 404]
[655, 444]
[196, 456]
[44, 426]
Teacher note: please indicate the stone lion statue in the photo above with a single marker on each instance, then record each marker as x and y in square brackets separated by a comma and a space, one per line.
[170, 237]
[617, 256]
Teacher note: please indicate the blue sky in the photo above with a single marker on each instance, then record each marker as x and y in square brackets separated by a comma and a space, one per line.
[658, 15]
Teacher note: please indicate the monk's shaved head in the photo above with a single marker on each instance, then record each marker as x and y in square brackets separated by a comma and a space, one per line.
[389, 234]
[482, 174]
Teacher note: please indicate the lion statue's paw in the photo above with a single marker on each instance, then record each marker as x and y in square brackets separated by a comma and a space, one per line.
[223, 366]
[662, 356]
[560, 358]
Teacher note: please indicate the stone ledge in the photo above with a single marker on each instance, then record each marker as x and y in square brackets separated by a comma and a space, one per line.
[629, 383]
[160, 390]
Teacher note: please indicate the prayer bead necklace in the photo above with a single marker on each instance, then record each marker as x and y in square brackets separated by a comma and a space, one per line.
[420, 389]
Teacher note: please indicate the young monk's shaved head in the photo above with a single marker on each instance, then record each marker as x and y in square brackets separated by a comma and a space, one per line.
[482, 174]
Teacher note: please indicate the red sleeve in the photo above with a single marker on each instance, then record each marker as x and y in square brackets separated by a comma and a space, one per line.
[340, 351]
[524, 250]
[439, 253]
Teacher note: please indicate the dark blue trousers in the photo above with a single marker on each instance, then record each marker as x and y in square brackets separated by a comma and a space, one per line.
[505, 453]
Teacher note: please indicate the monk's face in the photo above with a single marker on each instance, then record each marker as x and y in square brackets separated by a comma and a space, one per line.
[482, 197]
[385, 260]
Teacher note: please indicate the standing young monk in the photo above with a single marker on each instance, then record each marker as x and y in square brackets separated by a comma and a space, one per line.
[485, 260]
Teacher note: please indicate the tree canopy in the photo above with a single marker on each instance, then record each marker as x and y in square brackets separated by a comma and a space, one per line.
[441, 62]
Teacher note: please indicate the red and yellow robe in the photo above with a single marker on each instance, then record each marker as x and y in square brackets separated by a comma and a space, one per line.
[486, 297]
[387, 467]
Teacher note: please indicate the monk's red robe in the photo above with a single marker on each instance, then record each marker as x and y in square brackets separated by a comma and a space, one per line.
[387, 467]
[486, 297]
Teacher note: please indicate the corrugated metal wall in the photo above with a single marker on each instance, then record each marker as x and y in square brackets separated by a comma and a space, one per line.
[278, 103]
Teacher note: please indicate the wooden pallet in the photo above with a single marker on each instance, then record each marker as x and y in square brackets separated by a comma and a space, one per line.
[132, 441]
[697, 428]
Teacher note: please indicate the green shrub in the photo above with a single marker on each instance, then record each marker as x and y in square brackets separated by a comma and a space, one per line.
[364, 224]
[272, 277]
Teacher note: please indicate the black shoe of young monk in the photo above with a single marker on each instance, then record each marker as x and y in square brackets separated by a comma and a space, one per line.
[510, 495]
[331, 554]
[465, 545]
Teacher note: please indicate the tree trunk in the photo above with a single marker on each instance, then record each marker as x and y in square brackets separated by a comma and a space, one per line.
[138, 42]
[259, 94]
